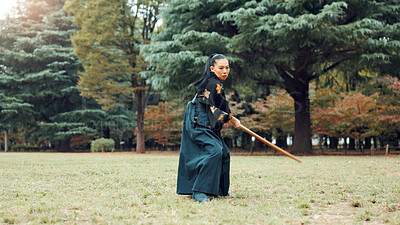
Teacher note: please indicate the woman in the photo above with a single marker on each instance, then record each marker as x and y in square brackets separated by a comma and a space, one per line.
[204, 158]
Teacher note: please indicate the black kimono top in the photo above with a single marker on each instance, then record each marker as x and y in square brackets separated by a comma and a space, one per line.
[217, 107]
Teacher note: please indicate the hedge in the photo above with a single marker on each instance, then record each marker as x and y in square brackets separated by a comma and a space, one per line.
[102, 145]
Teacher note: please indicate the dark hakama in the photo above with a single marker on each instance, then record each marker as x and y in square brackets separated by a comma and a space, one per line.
[204, 159]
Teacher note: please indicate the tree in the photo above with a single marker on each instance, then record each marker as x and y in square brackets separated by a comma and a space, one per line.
[276, 113]
[107, 43]
[388, 116]
[238, 109]
[352, 115]
[164, 123]
[191, 32]
[381, 120]
[38, 68]
[324, 96]
[14, 113]
[299, 41]
[281, 43]
[76, 123]
[120, 121]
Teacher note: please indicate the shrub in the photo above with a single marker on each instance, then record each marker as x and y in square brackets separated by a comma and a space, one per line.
[102, 145]
[23, 147]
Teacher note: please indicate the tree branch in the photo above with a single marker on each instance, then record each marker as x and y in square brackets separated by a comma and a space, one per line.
[288, 81]
[328, 68]
[287, 69]
[333, 66]
[268, 82]
[305, 62]
[337, 52]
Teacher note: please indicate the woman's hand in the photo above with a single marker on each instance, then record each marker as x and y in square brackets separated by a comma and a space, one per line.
[235, 122]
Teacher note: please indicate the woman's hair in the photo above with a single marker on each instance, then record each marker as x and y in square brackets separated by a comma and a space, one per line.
[207, 73]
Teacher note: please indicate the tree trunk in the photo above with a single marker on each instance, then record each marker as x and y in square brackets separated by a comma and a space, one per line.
[302, 124]
[65, 145]
[333, 143]
[246, 139]
[118, 144]
[297, 85]
[106, 132]
[367, 143]
[129, 143]
[394, 142]
[281, 141]
[360, 145]
[140, 147]
[141, 99]
[381, 142]
[6, 140]
[325, 142]
[320, 141]
[352, 144]
[375, 140]
[258, 145]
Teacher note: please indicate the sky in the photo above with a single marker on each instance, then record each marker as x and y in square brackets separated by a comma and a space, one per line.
[5, 7]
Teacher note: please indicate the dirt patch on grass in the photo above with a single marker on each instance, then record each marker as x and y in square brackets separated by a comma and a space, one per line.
[340, 213]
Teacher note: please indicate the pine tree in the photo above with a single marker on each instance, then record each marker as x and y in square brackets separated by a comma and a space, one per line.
[38, 68]
[107, 43]
[121, 123]
[190, 33]
[14, 113]
[281, 43]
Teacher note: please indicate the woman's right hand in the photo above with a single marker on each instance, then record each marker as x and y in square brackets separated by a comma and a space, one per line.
[235, 122]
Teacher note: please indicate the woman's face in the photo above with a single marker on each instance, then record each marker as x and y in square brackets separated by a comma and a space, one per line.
[221, 68]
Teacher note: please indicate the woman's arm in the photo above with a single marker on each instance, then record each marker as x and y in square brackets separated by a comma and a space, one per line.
[213, 95]
[216, 95]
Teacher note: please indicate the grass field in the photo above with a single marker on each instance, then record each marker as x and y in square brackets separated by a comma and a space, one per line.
[124, 188]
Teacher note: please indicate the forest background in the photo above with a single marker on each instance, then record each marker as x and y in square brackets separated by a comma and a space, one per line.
[302, 72]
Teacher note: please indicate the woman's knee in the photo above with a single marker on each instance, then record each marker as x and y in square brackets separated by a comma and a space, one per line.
[214, 151]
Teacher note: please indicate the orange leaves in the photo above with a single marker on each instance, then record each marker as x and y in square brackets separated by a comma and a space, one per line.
[163, 123]
[357, 104]
[351, 115]
[275, 113]
[392, 83]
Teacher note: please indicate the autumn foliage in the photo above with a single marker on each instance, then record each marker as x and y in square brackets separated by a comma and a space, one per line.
[351, 115]
[337, 115]
[356, 115]
[334, 114]
[274, 114]
[163, 123]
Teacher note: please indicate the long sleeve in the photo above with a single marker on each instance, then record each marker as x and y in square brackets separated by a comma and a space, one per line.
[213, 96]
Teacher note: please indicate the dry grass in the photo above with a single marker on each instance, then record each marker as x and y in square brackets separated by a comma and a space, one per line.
[124, 188]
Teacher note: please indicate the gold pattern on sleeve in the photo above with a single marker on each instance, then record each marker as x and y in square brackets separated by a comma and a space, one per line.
[206, 93]
[219, 88]
[221, 117]
[213, 108]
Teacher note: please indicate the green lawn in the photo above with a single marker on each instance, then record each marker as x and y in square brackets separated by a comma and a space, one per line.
[124, 188]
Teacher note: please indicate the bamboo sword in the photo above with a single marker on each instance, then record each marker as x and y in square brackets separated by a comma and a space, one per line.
[269, 143]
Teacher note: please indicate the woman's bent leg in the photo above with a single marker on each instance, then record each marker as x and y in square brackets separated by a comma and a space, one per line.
[209, 170]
